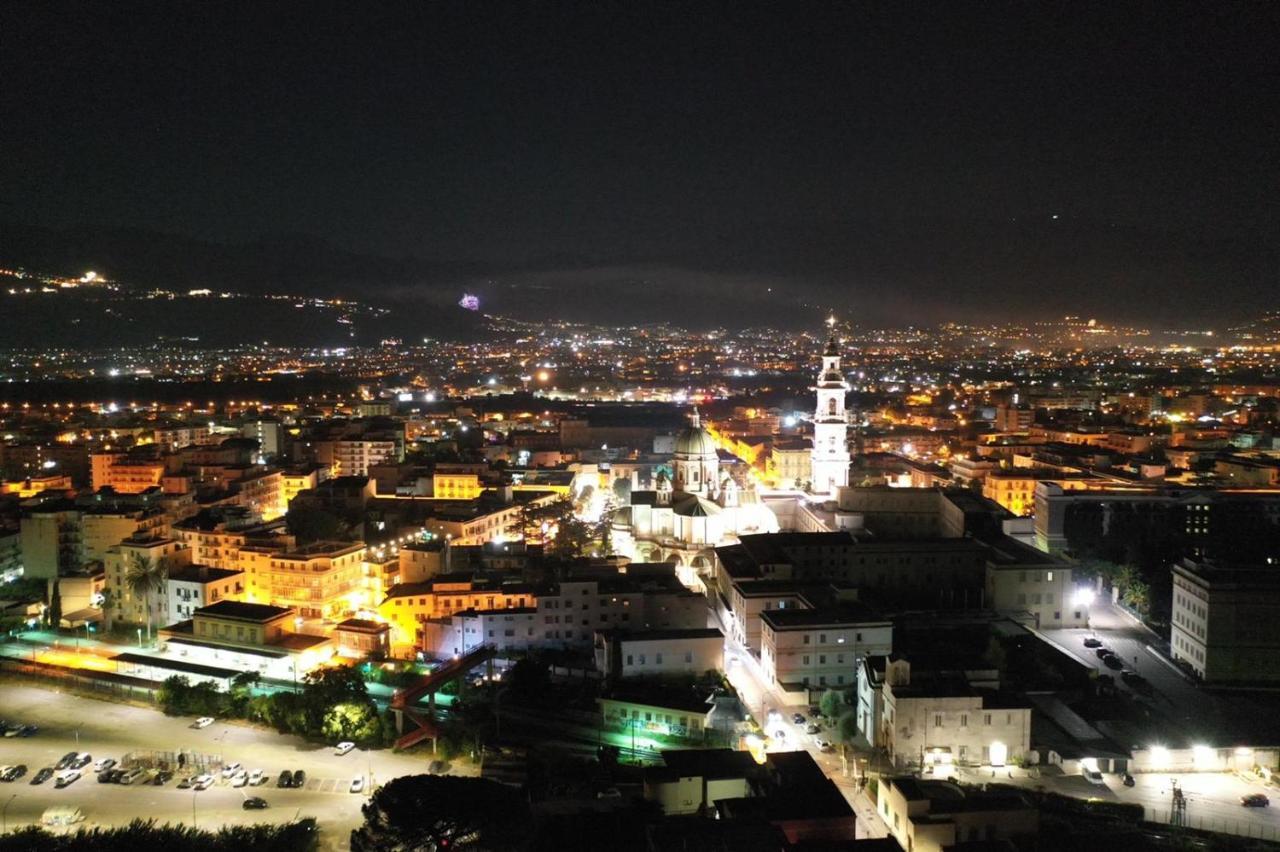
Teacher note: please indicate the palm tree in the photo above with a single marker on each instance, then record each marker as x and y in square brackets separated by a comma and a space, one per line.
[143, 578]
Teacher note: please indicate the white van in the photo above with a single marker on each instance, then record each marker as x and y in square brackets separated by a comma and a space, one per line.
[61, 815]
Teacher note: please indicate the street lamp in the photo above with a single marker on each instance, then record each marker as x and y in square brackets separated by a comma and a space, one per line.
[139, 637]
[4, 815]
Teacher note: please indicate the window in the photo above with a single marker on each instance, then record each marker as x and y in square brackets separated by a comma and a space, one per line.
[964, 720]
[937, 720]
[658, 659]
[806, 639]
[986, 718]
[688, 658]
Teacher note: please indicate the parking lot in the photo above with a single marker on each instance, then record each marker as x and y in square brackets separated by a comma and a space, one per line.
[105, 729]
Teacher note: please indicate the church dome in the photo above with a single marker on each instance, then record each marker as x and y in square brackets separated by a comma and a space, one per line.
[695, 441]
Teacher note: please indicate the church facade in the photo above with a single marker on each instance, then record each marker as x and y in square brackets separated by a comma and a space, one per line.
[682, 519]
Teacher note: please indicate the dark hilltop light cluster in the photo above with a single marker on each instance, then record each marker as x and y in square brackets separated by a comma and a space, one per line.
[714, 426]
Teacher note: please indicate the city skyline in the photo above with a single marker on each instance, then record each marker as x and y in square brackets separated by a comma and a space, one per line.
[1111, 163]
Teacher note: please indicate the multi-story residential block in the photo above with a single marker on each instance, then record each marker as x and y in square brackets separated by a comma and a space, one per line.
[802, 649]
[409, 606]
[1226, 621]
[322, 580]
[124, 604]
[52, 540]
[353, 456]
[191, 587]
[124, 474]
[296, 480]
[479, 521]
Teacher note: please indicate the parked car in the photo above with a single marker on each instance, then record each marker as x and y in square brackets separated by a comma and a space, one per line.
[286, 779]
[1111, 661]
[826, 748]
[240, 779]
[162, 777]
[229, 770]
[132, 775]
[813, 729]
[1127, 779]
[202, 722]
[357, 784]
[43, 775]
[1093, 776]
[437, 767]
[1092, 642]
[1255, 800]
[13, 730]
[66, 778]
[299, 779]
[254, 803]
[798, 718]
[343, 748]
[1103, 652]
[202, 782]
[186, 782]
[104, 764]
[81, 761]
[13, 773]
[28, 730]
[257, 777]
[65, 760]
[815, 711]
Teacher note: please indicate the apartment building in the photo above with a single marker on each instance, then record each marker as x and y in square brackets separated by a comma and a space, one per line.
[1226, 621]
[190, 587]
[409, 606]
[322, 580]
[123, 474]
[803, 649]
[482, 520]
[353, 456]
[123, 604]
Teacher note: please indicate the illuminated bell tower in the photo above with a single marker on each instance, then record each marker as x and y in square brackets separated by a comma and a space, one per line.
[829, 460]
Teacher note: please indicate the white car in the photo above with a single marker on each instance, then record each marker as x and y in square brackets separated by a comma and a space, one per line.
[357, 784]
[103, 764]
[230, 770]
[343, 748]
[1093, 776]
[203, 782]
[65, 777]
[240, 779]
[257, 777]
[203, 722]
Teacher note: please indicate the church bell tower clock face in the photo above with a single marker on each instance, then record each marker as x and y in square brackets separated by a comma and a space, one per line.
[829, 459]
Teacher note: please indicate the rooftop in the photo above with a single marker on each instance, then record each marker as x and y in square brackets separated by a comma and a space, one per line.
[242, 611]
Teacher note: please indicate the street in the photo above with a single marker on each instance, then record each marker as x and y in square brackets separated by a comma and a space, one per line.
[744, 672]
[106, 729]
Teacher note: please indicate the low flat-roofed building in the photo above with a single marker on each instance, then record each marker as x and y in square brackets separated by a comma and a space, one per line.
[691, 781]
[248, 637]
[628, 653]
[362, 637]
[930, 816]
[645, 707]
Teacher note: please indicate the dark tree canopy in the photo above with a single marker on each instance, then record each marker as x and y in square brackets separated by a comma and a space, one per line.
[443, 812]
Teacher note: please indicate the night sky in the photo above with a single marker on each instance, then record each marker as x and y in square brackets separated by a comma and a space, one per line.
[906, 161]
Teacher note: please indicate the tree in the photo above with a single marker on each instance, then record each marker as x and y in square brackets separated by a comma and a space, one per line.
[847, 728]
[143, 578]
[358, 723]
[442, 812]
[310, 523]
[831, 703]
[53, 615]
[326, 688]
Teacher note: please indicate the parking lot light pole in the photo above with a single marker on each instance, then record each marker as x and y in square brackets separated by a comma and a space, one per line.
[4, 815]
[194, 790]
